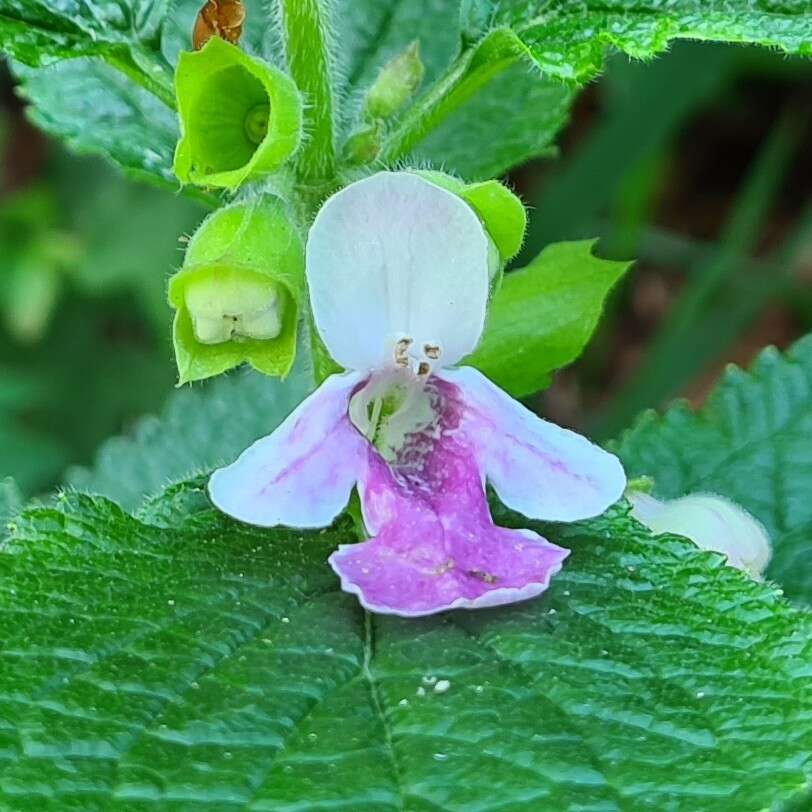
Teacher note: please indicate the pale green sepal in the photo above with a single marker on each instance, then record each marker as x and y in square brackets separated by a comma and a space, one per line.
[252, 249]
[502, 213]
[226, 100]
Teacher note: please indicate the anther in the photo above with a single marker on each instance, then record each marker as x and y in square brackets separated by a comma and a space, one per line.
[432, 351]
[401, 352]
[423, 368]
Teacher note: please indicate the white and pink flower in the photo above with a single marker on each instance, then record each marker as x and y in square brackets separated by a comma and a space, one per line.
[398, 273]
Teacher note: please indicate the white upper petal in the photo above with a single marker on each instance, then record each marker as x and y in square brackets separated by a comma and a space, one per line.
[391, 257]
[302, 474]
[536, 467]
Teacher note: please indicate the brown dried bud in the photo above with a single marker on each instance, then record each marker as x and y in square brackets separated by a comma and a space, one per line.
[218, 18]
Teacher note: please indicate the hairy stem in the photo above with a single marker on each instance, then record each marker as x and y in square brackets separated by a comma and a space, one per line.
[306, 35]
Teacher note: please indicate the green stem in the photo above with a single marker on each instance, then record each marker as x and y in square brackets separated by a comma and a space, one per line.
[306, 31]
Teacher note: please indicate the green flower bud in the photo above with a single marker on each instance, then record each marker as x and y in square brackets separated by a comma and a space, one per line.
[363, 146]
[501, 212]
[711, 522]
[240, 118]
[238, 293]
[396, 83]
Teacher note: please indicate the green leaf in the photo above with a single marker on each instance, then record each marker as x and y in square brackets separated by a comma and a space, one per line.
[536, 107]
[99, 111]
[569, 38]
[185, 662]
[200, 428]
[542, 316]
[750, 442]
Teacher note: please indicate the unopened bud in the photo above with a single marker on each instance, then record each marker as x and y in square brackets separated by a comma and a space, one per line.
[712, 522]
[364, 144]
[240, 118]
[396, 83]
[238, 293]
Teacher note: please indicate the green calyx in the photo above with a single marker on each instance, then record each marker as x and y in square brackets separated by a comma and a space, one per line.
[240, 118]
[501, 212]
[238, 294]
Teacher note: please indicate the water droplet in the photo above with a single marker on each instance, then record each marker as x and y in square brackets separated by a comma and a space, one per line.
[429, 680]
[403, 703]
[440, 756]
[227, 754]
[700, 694]
[479, 689]
[286, 620]
[312, 736]
[442, 686]
[171, 602]
[421, 691]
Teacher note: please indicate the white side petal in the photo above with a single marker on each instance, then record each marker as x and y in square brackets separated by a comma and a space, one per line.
[536, 467]
[394, 256]
[302, 474]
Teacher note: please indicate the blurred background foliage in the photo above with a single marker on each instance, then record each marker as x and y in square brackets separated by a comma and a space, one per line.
[698, 164]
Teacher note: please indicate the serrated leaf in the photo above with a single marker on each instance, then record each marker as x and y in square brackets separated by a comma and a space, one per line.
[749, 442]
[543, 315]
[569, 38]
[99, 111]
[200, 428]
[196, 664]
[536, 107]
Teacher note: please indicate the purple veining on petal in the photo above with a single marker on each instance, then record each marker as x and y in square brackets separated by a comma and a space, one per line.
[302, 474]
[536, 467]
[435, 545]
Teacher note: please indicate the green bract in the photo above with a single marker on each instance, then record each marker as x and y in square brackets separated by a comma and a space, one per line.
[240, 118]
[501, 212]
[237, 296]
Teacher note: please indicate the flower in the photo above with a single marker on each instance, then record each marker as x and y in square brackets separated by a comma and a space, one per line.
[712, 523]
[397, 269]
[240, 118]
[237, 296]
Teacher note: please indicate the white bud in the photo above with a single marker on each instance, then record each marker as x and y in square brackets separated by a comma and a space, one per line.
[712, 522]
[230, 305]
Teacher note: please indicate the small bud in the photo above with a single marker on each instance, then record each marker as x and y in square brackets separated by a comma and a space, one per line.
[364, 144]
[240, 118]
[501, 212]
[237, 295]
[396, 83]
[712, 522]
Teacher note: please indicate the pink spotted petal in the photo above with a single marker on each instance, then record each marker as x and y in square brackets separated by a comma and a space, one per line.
[435, 546]
[301, 475]
[536, 467]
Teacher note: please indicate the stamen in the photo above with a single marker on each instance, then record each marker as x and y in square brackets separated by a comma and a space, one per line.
[432, 351]
[423, 369]
[401, 352]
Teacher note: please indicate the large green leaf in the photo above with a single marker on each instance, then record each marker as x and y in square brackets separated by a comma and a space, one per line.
[98, 110]
[542, 316]
[535, 107]
[200, 428]
[751, 443]
[569, 38]
[183, 662]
